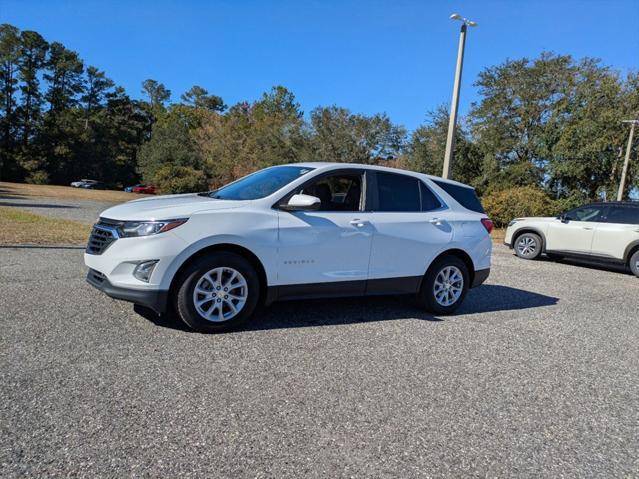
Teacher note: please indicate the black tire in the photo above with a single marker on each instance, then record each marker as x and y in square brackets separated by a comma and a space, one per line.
[184, 299]
[634, 263]
[426, 297]
[528, 246]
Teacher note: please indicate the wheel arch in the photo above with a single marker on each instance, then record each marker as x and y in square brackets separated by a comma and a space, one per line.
[459, 253]
[228, 248]
[631, 249]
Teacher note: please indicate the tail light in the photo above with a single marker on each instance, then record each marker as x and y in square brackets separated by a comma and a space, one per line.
[488, 224]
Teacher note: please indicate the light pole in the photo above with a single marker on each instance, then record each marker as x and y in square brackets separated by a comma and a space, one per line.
[624, 172]
[452, 122]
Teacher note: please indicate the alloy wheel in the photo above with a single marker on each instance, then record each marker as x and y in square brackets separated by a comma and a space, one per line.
[448, 286]
[527, 246]
[220, 294]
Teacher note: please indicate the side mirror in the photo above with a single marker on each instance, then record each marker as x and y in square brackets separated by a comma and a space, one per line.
[302, 203]
[563, 218]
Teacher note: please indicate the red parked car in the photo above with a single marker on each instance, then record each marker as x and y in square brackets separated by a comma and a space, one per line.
[149, 190]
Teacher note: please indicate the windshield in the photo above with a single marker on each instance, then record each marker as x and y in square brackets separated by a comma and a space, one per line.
[260, 184]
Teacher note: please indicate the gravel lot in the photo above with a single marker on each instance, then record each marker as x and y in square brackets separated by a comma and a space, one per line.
[537, 376]
[84, 211]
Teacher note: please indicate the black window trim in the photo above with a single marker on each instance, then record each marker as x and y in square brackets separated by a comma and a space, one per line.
[420, 183]
[603, 218]
[612, 206]
[364, 196]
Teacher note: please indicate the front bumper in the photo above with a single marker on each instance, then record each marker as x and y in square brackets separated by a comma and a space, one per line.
[154, 299]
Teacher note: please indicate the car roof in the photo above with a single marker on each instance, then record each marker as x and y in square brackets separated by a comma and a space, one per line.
[325, 165]
[617, 203]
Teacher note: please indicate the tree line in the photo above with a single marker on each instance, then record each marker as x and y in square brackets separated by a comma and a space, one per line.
[552, 123]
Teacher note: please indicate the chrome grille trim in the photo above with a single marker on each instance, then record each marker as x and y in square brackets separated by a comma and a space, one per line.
[102, 236]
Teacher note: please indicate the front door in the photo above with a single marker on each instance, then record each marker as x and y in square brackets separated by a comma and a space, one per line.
[332, 244]
[574, 233]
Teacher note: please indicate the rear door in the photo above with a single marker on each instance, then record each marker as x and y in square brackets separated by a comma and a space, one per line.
[410, 226]
[575, 233]
[619, 229]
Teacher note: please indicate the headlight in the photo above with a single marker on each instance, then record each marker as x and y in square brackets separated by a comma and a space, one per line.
[131, 229]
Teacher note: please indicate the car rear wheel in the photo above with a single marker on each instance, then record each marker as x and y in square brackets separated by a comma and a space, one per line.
[634, 263]
[528, 246]
[445, 285]
[217, 293]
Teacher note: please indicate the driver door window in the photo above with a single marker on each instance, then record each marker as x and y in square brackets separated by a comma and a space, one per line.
[337, 193]
[586, 213]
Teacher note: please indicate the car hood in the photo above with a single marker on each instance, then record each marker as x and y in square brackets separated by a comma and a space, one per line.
[167, 207]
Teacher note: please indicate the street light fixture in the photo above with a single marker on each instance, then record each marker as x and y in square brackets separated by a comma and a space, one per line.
[452, 122]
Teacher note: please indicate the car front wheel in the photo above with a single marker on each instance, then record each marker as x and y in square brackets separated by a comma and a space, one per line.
[634, 263]
[218, 293]
[445, 285]
[528, 246]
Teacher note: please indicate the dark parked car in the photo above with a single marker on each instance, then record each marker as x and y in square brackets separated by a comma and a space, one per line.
[93, 185]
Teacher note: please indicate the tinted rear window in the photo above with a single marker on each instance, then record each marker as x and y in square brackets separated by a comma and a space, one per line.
[464, 195]
[627, 215]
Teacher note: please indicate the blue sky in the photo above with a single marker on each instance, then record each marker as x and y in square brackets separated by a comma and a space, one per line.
[369, 56]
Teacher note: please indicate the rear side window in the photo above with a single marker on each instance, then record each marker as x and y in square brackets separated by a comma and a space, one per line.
[429, 200]
[464, 195]
[397, 192]
[627, 215]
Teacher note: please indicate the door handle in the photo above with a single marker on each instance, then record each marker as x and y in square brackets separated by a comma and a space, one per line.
[587, 227]
[436, 221]
[358, 223]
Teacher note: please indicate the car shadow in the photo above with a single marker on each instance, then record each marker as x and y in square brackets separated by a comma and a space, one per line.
[343, 311]
[35, 205]
[590, 264]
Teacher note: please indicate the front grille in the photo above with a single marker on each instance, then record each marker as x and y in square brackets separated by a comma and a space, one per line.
[101, 238]
[96, 277]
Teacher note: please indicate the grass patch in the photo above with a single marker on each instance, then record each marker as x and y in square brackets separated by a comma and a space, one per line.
[21, 227]
[25, 190]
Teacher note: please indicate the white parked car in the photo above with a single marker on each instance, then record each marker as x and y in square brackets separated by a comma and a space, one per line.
[83, 182]
[293, 231]
[606, 232]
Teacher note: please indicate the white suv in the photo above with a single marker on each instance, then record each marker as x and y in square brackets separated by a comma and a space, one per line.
[293, 231]
[606, 232]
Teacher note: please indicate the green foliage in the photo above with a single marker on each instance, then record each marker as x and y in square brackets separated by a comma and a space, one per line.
[554, 122]
[180, 179]
[158, 94]
[199, 97]
[338, 135]
[504, 205]
[38, 177]
[551, 123]
[427, 147]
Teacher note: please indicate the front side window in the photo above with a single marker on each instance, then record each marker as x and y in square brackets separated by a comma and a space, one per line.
[260, 184]
[626, 215]
[339, 192]
[585, 213]
[398, 192]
